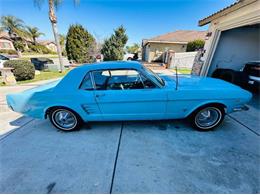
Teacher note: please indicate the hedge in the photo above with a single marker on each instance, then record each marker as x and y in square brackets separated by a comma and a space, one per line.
[23, 70]
[8, 51]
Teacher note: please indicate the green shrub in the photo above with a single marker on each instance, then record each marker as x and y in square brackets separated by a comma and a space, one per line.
[195, 45]
[23, 70]
[19, 45]
[40, 49]
[8, 51]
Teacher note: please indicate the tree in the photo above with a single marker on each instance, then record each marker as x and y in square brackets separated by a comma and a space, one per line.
[113, 48]
[79, 44]
[14, 26]
[195, 45]
[16, 30]
[34, 33]
[133, 49]
[53, 20]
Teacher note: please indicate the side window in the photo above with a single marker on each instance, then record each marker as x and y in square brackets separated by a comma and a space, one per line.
[86, 83]
[120, 80]
[124, 79]
[148, 84]
[101, 78]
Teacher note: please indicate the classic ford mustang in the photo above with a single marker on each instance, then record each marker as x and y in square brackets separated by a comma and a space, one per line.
[111, 91]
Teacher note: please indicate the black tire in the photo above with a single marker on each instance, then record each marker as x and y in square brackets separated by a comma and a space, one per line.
[218, 110]
[74, 116]
[129, 59]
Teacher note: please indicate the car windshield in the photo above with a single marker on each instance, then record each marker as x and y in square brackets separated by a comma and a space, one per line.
[154, 76]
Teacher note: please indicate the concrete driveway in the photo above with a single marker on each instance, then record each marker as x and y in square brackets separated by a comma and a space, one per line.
[130, 157]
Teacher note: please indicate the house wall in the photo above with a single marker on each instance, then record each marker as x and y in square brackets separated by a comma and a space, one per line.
[6, 44]
[249, 14]
[236, 47]
[153, 51]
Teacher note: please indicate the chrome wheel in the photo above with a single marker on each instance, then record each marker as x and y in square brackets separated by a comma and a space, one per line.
[64, 119]
[208, 117]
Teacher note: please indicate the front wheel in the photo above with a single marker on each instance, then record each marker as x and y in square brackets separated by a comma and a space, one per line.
[207, 118]
[65, 119]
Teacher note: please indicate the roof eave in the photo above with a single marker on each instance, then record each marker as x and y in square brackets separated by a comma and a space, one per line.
[225, 11]
[176, 42]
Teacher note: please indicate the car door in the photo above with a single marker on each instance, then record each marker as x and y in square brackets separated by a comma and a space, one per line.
[87, 101]
[126, 94]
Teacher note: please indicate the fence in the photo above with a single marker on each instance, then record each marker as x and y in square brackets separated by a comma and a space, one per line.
[182, 60]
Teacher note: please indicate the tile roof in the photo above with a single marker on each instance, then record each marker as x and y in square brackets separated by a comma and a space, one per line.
[179, 36]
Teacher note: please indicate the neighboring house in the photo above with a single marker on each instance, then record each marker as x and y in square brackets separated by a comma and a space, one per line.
[5, 42]
[51, 45]
[177, 41]
[233, 37]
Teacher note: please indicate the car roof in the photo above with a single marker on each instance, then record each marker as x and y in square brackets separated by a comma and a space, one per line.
[110, 65]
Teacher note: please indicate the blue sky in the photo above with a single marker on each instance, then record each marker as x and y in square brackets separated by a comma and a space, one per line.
[141, 18]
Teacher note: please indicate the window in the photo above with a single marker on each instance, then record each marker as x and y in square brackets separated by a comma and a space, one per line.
[5, 45]
[86, 83]
[154, 75]
[120, 80]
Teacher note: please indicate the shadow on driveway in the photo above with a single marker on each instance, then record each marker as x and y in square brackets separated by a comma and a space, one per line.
[130, 157]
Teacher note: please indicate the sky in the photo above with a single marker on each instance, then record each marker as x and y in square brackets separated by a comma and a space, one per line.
[141, 18]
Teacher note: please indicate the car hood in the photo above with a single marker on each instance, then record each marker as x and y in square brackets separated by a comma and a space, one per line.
[188, 81]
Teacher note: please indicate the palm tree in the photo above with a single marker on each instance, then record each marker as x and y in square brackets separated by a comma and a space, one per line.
[34, 33]
[53, 20]
[14, 26]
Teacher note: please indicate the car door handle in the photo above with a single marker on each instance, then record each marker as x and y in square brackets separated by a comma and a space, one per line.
[100, 95]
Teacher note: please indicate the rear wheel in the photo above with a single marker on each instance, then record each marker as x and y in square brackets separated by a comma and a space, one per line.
[208, 117]
[65, 119]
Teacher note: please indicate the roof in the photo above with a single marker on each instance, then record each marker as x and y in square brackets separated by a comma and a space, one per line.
[180, 36]
[110, 65]
[73, 79]
[46, 42]
[233, 7]
[5, 35]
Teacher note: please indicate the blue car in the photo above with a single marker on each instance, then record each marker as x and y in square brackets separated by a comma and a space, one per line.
[116, 91]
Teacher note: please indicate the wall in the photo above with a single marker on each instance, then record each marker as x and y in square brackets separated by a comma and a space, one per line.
[182, 60]
[6, 44]
[157, 49]
[236, 47]
[246, 15]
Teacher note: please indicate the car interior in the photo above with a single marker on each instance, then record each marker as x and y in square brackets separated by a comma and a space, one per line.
[121, 80]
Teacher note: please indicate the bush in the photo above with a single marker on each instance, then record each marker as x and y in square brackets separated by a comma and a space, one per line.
[40, 49]
[195, 45]
[79, 44]
[23, 70]
[19, 45]
[8, 51]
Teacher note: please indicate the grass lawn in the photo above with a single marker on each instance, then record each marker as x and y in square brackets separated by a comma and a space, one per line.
[184, 71]
[29, 56]
[45, 75]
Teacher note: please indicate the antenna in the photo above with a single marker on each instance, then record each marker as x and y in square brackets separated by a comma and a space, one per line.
[177, 78]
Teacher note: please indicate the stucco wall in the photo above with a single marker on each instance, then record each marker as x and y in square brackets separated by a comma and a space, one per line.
[154, 50]
[236, 47]
[6, 44]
